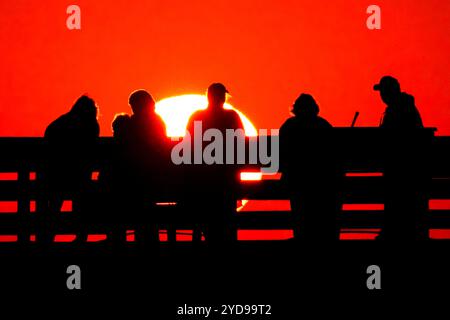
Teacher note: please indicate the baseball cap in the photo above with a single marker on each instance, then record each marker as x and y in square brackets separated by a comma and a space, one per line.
[217, 87]
[387, 82]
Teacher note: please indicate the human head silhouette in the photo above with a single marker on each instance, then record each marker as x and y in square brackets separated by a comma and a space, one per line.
[84, 108]
[141, 102]
[389, 88]
[217, 95]
[119, 124]
[305, 105]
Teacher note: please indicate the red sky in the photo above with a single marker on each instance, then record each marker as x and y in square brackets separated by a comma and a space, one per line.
[266, 52]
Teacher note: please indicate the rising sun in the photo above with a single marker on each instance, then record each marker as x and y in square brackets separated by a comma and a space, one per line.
[175, 112]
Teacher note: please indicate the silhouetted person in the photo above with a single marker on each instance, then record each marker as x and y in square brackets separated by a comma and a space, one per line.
[113, 181]
[147, 153]
[401, 112]
[212, 187]
[71, 140]
[113, 173]
[120, 126]
[310, 172]
[405, 168]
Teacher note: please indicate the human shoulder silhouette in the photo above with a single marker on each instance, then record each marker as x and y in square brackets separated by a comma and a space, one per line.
[215, 116]
[145, 124]
[80, 122]
[306, 116]
[303, 123]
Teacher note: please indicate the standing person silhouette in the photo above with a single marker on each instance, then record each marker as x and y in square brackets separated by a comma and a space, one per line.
[113, 180]
[310, 172]
[213, 186]
[405, 169]
[147, 158]
[71, 140]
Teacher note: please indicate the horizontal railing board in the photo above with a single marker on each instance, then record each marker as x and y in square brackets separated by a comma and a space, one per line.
[362, 148]
[257, 220]
[367, 190]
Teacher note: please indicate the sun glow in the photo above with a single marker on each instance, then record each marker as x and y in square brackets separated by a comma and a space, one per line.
[175, 111]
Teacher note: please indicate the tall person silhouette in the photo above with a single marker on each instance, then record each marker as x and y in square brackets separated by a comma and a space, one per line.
[214, 185]
[71, 141]
[310, 172]
[405, 166]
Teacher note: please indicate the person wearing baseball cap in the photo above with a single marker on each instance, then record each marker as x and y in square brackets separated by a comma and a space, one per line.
[401, 112]
[217, 90]
[211, 186]
[215, 116]
[405, 205]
